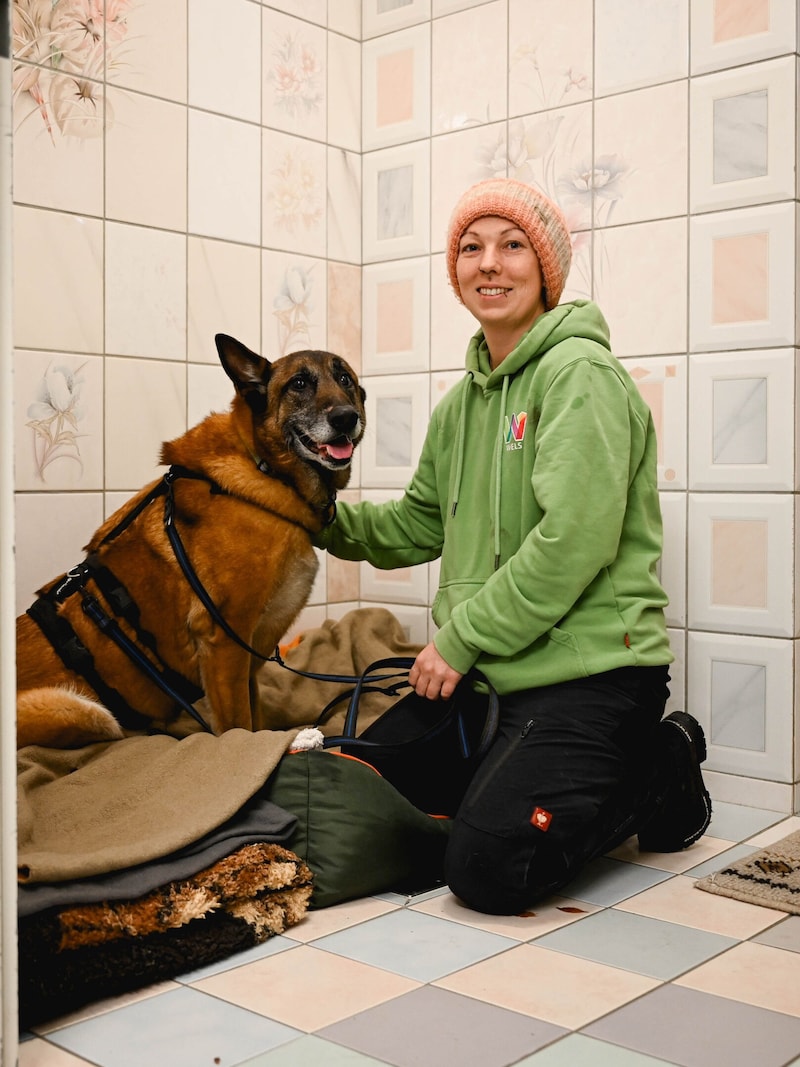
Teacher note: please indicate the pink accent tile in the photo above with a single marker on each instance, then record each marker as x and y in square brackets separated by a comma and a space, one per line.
[739, 18]
[740, 278]
[543, 983]
[755, 974]
[343, 580]
[395, 311]
[550, 914]
[739, 562]
[653, 396]
[333, 987]
[395, 88]
[678, 901]
[344, 312]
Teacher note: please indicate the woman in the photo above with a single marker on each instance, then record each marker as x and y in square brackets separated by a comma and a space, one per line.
[537, 487]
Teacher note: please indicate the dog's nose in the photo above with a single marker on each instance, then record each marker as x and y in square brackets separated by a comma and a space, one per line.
[343, 418]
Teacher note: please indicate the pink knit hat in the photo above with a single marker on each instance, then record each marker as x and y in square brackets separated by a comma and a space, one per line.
[539, 217]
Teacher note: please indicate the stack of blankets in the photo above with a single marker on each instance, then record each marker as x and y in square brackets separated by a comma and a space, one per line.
[147, 858]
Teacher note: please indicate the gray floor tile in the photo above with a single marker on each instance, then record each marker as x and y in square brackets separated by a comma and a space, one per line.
[431, 1027]
[637, 943]
[693, 1029]
[785, 935]
[606, 882]
[737, 822]
[182, 1028]
[416, 945]
[577, 1050]
[716, 863]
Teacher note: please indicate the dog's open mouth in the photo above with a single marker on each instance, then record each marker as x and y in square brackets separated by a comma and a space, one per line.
[337, 453]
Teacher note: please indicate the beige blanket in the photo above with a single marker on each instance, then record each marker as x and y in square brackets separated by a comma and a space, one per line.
[114, 805]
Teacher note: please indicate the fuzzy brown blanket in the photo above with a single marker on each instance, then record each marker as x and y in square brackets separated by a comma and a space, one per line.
[71, 957]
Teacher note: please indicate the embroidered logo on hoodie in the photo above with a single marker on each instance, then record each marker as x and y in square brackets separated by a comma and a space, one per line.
[515, 430]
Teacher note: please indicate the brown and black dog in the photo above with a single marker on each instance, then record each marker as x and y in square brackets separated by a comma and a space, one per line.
[246, 492]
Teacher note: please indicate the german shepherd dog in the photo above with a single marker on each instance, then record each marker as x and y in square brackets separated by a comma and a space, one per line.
[150, 622]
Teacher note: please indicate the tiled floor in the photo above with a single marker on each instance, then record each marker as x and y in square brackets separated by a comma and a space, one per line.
[636, 967]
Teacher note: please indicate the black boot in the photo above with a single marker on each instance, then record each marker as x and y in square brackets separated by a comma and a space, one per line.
[685, 811]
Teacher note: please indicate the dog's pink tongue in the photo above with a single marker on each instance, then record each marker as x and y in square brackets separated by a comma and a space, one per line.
[344, 451]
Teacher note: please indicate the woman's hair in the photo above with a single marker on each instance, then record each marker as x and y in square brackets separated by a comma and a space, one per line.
[539, 217]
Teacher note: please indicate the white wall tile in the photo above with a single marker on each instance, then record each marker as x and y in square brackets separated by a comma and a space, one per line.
[740, 563]
[396, 316]
[743, 136]
[742, 278]
[641, 152]
[224, 178]
[550, 54]
[146, 402]
[662, 383]
[149, 49]
[51, 530]
[224, 58]
[224, 296]
[397, 419]
[474, 41]
[396, 88]
[377, 17]
[742, 420]
[672, 568]
[343, 208]
[145, 160]
[640, 283]
[640, 42]
[293, 303]
[396, 202]
[58, 281]
[344, 92]
[294, 75]
[728, 33]
[740, 689]
[58, 421]
[61, 166]
[294, 194]
[145, 292]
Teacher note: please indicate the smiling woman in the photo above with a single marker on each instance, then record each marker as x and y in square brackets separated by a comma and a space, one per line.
[536, 485]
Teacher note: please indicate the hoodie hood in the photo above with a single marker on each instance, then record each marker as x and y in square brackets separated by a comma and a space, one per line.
[578, 319]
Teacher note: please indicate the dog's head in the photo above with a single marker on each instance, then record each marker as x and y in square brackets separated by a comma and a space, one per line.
[309, 402]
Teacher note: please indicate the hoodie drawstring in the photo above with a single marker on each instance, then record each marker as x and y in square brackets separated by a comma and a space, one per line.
[498, 468]
[460, 443]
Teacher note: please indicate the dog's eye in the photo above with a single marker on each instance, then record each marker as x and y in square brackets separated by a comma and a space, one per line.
[299, 383]
[345, 379]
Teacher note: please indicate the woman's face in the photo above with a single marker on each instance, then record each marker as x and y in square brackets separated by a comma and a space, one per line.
[499, 275]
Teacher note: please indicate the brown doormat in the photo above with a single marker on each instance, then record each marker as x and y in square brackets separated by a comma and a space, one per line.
[770, 877]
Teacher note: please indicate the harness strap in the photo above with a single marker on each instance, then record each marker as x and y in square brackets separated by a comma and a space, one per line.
[123, 606]
[76, 657]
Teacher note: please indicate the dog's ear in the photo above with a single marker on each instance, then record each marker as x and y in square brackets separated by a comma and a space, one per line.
[248, 371]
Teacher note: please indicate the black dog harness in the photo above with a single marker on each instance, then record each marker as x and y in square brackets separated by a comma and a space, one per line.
[143, 651]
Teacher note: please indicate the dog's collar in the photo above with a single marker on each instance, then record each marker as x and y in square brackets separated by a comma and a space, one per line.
[327, 511]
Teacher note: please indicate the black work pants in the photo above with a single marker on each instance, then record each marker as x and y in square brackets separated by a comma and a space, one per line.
[572, 773]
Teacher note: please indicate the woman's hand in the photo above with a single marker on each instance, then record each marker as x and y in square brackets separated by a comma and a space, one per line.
[431, 676]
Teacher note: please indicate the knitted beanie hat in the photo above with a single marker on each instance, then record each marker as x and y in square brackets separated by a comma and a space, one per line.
[538, 216]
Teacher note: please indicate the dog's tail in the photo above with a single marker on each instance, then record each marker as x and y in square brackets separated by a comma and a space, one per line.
[58, 717]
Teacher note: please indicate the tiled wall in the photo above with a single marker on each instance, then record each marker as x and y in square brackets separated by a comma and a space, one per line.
[284, 172]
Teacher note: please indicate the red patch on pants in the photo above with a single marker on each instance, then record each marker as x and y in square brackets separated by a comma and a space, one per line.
[541, 819]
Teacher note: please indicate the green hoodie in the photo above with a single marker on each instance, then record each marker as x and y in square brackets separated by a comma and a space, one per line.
[537, 487]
